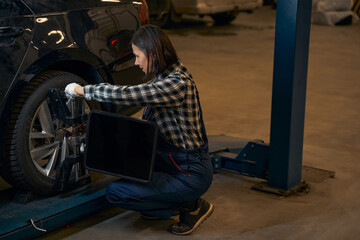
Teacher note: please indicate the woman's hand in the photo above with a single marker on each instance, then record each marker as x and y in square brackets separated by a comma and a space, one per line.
[73, 90]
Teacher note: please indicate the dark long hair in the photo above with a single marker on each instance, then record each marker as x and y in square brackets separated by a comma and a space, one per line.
[157, 47]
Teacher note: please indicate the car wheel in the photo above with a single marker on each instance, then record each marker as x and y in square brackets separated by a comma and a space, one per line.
[35, 145]
[224, 18]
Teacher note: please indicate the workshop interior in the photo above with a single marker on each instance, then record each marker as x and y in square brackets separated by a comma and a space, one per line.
[279, 85]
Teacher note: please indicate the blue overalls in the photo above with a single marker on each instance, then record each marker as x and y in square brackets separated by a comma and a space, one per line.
[179, 176]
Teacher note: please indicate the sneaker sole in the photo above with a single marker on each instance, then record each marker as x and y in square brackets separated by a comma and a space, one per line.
[201, 220]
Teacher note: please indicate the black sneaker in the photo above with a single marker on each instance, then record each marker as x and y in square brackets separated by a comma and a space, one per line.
[189, 221]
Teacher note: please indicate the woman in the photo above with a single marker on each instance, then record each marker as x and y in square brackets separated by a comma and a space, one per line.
[183, 171]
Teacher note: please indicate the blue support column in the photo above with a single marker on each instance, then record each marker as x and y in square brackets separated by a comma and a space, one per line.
[292, 33]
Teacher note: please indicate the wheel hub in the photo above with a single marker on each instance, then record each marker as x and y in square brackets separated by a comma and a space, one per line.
[60, 134]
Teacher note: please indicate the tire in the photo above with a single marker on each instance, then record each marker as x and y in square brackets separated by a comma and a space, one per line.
[33, 149]
[224, 18]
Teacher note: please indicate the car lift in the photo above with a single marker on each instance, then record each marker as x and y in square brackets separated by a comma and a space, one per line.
[280, 162]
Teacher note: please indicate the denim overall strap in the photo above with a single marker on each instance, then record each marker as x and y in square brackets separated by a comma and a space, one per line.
[147, 113]
[203, 131]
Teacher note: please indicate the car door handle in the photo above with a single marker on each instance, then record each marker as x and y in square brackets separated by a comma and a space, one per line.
[11, 32]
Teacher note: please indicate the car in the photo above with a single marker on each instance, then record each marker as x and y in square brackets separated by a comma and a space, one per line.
[164, 12]
[46, 45]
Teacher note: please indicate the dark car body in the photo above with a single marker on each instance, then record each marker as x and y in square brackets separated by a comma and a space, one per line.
[86, 38]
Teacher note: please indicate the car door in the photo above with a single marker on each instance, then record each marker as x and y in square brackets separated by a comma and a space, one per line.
[16, 27]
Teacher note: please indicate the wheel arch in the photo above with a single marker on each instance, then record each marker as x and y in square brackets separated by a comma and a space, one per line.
[77, 61]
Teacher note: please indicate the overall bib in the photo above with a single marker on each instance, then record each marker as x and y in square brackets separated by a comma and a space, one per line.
[179, 176]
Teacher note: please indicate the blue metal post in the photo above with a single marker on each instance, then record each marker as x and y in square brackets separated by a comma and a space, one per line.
[292, 33]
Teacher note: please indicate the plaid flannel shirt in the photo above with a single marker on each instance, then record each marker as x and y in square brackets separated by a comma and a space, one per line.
[173, 100]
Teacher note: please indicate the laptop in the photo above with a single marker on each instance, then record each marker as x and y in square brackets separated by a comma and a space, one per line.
[121, 146]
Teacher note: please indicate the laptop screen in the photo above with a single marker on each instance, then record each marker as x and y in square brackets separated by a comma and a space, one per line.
[121, 146]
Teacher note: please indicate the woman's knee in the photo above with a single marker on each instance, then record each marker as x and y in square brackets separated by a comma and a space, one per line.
[111, 196]
[116, 193]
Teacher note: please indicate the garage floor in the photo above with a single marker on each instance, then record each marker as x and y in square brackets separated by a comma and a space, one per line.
[232, 66]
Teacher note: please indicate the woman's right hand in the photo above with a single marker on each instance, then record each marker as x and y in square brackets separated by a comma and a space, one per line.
[73, 90]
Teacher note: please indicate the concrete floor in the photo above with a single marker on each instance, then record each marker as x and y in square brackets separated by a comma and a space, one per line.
[233, 66]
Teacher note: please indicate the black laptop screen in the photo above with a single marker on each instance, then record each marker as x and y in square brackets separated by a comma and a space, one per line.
[121, 146]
